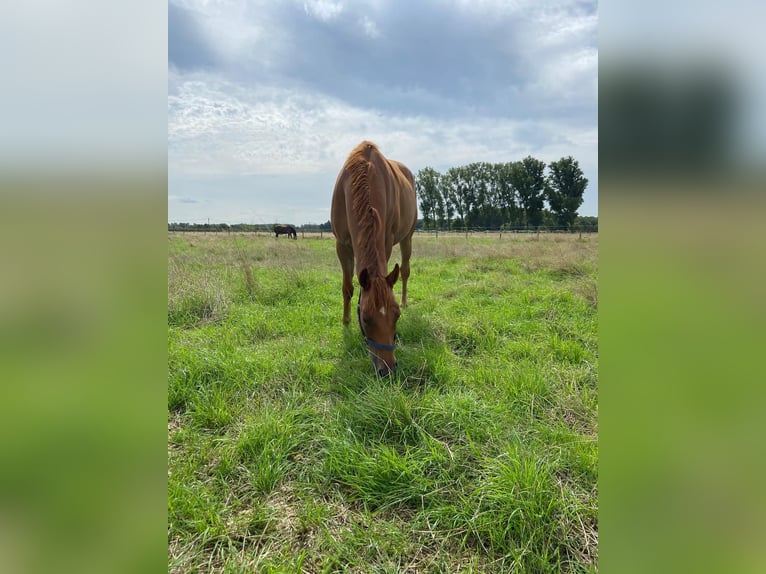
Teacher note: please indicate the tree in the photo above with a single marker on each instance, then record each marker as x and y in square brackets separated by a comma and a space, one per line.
[564, 192]
[504, 190]
[457, 192]
[586, 223]
[427, 187]
[472, 191]
[481, 192]
[444, 208]
[528, 177]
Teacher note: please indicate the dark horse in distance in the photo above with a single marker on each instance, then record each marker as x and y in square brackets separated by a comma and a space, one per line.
[288, 230]
[374, 208]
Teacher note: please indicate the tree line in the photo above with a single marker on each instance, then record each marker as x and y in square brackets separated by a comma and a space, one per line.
[508, 195]
[480, 195]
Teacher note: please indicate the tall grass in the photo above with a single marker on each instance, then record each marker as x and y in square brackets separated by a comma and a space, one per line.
[287, 454]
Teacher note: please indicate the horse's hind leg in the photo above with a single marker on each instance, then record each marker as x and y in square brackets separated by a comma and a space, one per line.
[346, 258]
[406, 247]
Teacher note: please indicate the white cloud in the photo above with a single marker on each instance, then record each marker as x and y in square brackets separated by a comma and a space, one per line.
[220, 128]
[323, 10]
[560, 28]
[568, 77]
[369, 27]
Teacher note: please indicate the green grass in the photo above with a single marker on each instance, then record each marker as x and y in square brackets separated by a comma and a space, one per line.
[287, 454]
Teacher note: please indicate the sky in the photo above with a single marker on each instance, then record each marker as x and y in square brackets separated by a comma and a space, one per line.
[266, 99]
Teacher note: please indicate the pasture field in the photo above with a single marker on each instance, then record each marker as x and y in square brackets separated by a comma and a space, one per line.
[287, 454]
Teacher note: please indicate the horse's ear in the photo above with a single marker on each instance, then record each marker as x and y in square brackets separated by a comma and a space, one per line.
[393, 276]
[364, 279]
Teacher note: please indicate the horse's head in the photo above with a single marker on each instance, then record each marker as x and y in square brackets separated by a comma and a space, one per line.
[378, 313]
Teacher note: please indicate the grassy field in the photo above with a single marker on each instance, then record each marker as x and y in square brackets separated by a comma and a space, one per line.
[287, 454]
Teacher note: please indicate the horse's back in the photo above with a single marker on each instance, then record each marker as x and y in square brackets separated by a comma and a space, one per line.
[404, 172]
[394, 182]
[408, 208]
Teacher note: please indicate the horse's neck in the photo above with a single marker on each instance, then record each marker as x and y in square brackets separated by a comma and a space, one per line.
[373, 259]
[379, 262]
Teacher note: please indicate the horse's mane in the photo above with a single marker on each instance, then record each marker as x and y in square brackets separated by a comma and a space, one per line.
[359, 167]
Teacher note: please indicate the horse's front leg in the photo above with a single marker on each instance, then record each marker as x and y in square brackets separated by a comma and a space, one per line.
[406, 247]
[346, 258]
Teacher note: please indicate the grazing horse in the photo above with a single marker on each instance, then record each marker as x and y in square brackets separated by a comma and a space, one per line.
[288, 230]
[373, 209]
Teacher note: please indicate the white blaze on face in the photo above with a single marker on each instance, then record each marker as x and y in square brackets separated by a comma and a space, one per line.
[382, 311]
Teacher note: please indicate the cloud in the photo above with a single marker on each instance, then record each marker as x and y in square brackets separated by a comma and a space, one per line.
[218, 128]
[181, 199]
[369, 27]
[188, 48]
[393, 58]
[435, 58]
[323, 10]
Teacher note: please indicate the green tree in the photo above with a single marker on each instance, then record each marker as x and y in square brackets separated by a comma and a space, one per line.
[427, 187]
[444, 208]
[586, 223]
[473, 192]
[505, 193]
[528, 177]
[564, 192]
[456, 191]
[485, 205]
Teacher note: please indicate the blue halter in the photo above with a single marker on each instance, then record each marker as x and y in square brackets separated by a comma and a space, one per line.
[370, 342]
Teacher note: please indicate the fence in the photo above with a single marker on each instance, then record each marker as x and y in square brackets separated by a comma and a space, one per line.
[322, 233]
[470, 231]
[316, 233]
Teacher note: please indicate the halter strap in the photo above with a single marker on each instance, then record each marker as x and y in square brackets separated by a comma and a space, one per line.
[370, 342]
[379, 346]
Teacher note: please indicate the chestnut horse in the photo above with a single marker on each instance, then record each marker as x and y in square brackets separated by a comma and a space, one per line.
[374, 208]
